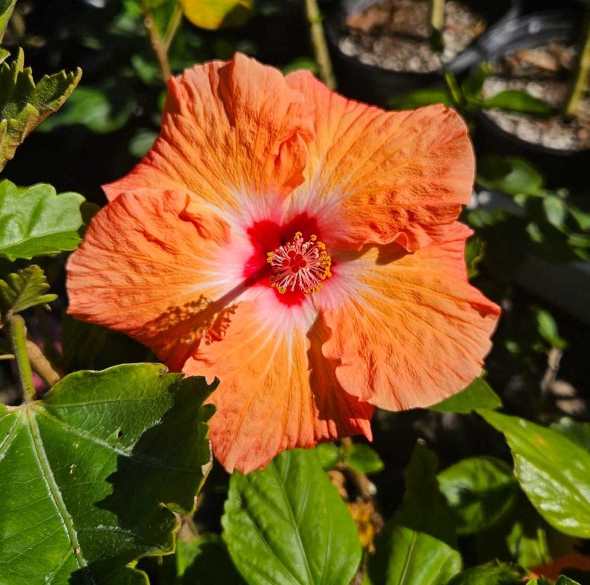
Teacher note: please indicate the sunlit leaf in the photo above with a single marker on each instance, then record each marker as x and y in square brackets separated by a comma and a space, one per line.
[214, 14]
[286, 525]
[417, 546]
[90, 475]
[328, 455]
[6, 9]
[547, 328]
[513, 100]
[421, 97]
[490, 574]
[576, 431]
[477, 395]
[36, 221]
[362, 458]
[24, 103]
[481, 492]
[24, 289]
[552, 470]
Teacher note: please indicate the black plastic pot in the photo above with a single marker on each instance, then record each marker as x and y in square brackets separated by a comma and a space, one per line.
[528, 32]
[377, 85]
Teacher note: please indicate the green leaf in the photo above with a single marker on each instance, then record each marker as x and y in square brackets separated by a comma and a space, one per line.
[35, 221]
[563, 580]
[362, 458]
[142, 142]
[579, 432]
[206, 561]
[286, 524]
[454, 89]
[163, 13]
[95, 108]
[24, 289]
[553, 471]
[24, 104]
[555, 210]
[328, 455]
[214, 14]
[300, 63]
[6, 9]
[407, 557]
[473, 84]
[421, 97]
[90, 475]
[513, 176]
[417, 546]
[474, 254]
[547, 328]
[481, 491]
[490, 574]
[513, 100]
[528, 539]
[477, 395]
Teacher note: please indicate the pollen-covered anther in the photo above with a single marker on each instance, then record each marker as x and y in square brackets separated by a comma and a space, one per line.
[299, 265]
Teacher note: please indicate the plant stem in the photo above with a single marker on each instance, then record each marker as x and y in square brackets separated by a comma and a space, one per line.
[161, 44]
[437, 15]
[318, 40]
[18, 339]
[582, 75]
[173, 25]
[41, 364]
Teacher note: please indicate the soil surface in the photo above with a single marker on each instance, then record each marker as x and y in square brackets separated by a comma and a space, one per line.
[544, 73]
[394, 35]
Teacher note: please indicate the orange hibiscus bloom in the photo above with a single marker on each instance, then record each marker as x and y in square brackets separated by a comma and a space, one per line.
[301, 247]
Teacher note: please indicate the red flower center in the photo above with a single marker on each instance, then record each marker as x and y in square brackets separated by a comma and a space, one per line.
[300, 265]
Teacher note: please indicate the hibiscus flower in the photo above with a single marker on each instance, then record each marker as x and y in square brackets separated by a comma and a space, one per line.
[299, 246]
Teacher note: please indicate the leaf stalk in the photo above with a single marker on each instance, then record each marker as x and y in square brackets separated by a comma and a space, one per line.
[18, 339]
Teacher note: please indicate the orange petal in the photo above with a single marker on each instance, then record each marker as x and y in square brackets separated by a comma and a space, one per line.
[399, 174]
[229, 130]
[416, 332]
[146, 268]
[277, 390]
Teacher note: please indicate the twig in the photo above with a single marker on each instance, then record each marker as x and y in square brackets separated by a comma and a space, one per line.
[158, 46]
[318, 40]
[41, 364]
[18, 339]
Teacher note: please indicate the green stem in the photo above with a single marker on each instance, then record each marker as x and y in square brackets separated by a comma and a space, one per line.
[582, 76]
[173, 25]
[318, 40]
[18, 339]
[437, 15]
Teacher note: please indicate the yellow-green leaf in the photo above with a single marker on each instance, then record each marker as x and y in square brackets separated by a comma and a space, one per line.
[24, 103]
[24, 289]
[214, 14]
